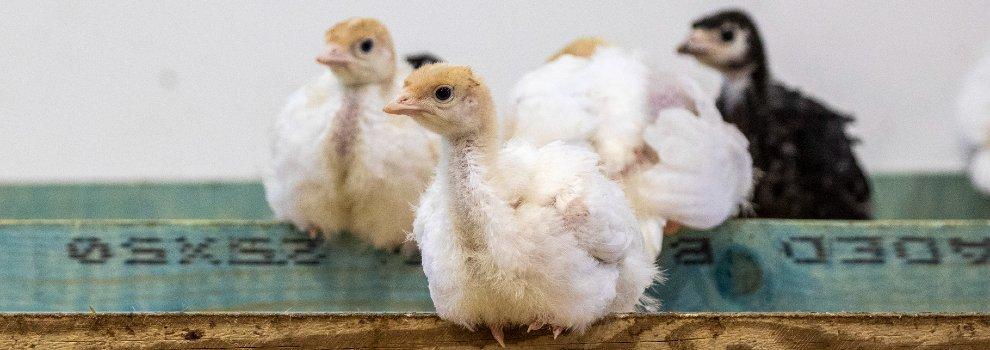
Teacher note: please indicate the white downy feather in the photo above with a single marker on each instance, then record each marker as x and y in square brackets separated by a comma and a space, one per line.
[973, 113]
[705, 170]
[613, 102]
[979, 170]
[532, 198]
[370, 190]
[599, 101]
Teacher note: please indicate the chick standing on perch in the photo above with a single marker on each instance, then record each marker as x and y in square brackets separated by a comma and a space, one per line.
[974, 117]
[659, 135]
[339, 163]
[807, 168]
[520, 234]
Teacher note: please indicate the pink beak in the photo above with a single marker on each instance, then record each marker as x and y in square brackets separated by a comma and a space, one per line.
[696, 43]
[404, 105]
[334, 56]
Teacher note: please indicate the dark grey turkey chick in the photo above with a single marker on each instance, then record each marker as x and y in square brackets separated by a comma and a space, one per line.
[806, 165]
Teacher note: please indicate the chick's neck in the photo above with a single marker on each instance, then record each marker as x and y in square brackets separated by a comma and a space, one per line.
[467, 162]
[384, 88]
[735, 83]
[345, 129]
[481, 142]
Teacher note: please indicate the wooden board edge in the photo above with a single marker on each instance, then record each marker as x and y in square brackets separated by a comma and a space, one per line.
[271, 222]
[423, 330]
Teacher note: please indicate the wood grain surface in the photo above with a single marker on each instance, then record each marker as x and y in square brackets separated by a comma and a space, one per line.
[416, 331]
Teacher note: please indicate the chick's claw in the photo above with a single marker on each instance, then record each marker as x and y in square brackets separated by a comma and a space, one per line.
[497, 334]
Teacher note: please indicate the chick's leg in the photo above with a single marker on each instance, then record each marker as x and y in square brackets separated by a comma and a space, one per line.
[497, 334]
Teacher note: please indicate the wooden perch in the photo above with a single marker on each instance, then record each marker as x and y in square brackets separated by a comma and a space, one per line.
[408, 331]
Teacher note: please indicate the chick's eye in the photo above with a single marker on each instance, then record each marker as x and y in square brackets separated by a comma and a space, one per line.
[728, 35]
[443, 93]
[367, 45]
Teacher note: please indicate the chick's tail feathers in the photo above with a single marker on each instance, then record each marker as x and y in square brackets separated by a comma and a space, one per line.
[652, 229]
[704, 174]
[650, 300]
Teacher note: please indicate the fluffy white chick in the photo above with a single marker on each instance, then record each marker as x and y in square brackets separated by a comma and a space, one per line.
[973, 113]
[520, 234]
[679, 163]
[339, 163]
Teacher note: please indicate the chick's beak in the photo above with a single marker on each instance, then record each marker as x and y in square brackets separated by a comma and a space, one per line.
[404, 105]
[334, 56]
[696, 43]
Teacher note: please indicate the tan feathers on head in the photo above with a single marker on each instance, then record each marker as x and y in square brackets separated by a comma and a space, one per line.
[359, 51]
[582, 47]
[423, 81]
[449, 100]
[352, 30]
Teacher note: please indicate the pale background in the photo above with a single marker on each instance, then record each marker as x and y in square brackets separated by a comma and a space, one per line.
[186, 90]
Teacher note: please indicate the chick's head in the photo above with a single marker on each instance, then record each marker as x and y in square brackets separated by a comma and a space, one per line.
[359, 51]
[446, 99]
[727, 41]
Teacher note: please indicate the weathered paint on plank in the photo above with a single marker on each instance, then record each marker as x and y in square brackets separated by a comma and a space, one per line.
[746, 265]
[898, 196]
[156, 266]
[928, 196]
[414, 331]
[830, 266]
[150, 201]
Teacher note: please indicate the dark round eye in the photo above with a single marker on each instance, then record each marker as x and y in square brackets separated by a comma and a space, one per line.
[728, 35]
[367, 45]
[443, 93]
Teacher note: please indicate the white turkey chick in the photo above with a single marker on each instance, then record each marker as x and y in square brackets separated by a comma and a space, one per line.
[517, 234]
[665, 141]
[341, 164]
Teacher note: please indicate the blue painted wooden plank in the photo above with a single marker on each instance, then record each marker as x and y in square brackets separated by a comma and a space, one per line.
[897, 196]
[747, 265]
[880, 266]
[151, 201]
[151, 266]
[928, 196]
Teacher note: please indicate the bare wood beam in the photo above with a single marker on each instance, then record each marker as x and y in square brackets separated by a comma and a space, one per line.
[402, 331]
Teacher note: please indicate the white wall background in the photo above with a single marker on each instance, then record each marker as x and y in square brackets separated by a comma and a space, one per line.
[186, 90]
